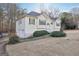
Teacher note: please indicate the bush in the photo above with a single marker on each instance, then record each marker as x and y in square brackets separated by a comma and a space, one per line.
[40, 33]
[58, 34]
[70, 26]
[13, 40]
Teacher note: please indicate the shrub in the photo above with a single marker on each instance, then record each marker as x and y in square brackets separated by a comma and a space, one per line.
[13, 40]
[70, 26]
[58, 34]
[40, 33]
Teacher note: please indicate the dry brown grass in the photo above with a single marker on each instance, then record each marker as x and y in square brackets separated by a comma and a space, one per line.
[48, 46]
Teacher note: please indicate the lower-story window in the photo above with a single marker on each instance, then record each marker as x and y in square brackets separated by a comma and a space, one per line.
[31, 21]
[57, 24]
[42, 22]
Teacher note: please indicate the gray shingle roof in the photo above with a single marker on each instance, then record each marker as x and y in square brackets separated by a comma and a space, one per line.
[34, 13]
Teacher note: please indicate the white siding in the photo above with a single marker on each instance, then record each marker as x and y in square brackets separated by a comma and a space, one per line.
[20, 28]
[57, 28]
[29, 28]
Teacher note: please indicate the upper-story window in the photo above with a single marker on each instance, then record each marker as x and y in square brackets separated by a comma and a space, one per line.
[42, 22]
[31, 21]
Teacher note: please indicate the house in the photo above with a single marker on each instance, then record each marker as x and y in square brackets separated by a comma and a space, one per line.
[35, 22]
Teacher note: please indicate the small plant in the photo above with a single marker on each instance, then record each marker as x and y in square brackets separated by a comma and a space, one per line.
[13, 40]
[57, 34]
[40, 33]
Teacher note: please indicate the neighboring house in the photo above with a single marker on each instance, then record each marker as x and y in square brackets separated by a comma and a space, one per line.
[35, 22]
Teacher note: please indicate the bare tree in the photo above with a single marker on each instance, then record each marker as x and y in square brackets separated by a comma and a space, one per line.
[51, 12]
[75, 14]
[14, 13]
[54, 13]
[1, 18]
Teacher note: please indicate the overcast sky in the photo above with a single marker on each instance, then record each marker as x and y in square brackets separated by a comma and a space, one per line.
[61, 6]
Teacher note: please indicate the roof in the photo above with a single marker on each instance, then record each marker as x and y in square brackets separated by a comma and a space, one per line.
[32, 13]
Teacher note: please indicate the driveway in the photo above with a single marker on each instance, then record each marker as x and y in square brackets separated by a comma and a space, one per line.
[50, 46]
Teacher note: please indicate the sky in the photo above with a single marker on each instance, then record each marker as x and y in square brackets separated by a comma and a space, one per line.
[62, 6]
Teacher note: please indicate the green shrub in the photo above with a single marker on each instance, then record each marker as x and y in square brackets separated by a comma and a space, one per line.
[57, 34]
[13, 40]
[40, 33]
[70, 26]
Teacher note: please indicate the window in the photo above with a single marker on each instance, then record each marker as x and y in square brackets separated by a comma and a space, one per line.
[20, 22]
[51, 23]
[48, 24]
[31, 21]
[42, 22]
[57, 24]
